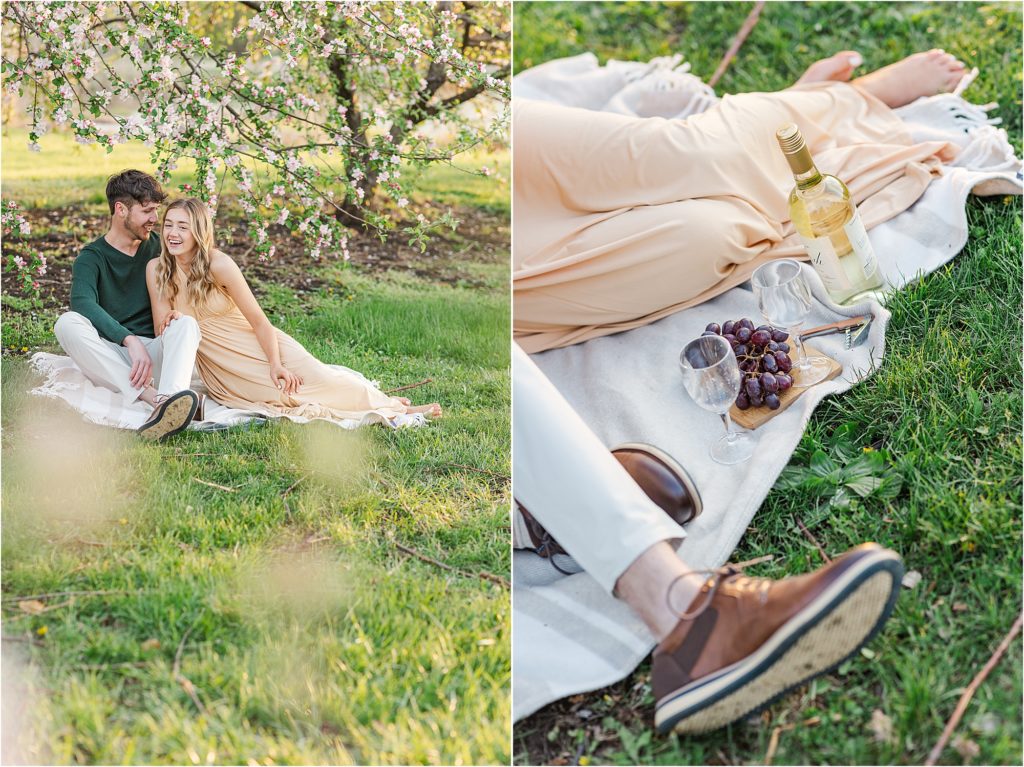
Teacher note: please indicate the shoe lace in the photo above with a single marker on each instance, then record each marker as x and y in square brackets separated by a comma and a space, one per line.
[717, 576]
[549, 548]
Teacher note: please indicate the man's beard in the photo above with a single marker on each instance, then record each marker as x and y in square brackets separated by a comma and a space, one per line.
[138, 232]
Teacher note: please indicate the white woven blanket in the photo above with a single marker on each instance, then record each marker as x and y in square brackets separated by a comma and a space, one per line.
[569, 636]
[64, 381]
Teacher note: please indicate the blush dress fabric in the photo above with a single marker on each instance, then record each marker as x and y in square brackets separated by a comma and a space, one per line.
[235, 369]
[621, 220]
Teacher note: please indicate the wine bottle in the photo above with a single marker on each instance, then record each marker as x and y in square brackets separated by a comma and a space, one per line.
[828, 224]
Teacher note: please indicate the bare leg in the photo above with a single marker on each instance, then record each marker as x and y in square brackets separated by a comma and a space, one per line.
[923, 74]
[646, 584]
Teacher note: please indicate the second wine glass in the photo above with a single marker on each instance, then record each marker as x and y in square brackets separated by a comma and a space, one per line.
[712, 378]
[784, 299]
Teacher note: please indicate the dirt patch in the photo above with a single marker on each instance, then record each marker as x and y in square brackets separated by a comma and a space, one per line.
[60, 233]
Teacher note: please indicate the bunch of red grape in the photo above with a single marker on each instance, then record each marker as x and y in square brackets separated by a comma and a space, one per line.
[763, 357]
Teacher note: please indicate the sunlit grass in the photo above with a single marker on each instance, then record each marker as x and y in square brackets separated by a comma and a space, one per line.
[66, 172]
[254, 604]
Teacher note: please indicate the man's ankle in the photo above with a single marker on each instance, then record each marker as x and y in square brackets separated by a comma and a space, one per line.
[149, 395]
[659, 587]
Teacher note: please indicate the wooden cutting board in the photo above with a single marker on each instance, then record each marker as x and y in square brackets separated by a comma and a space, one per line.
[753, 417]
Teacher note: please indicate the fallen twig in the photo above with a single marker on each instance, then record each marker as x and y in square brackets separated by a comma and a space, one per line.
[481, 471]
[410, 386]
[293, 485]
[965, 699]
[214, 484]
[36, 611]
[92, 543]
[812, 539]
[773, 741]
[104, 666]
[184, 681]
[284, 496]
[734, 47]
[429, 560]
[754, 561]
[53, 594]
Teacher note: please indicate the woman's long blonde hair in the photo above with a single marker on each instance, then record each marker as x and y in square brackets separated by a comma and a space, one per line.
[199, 282]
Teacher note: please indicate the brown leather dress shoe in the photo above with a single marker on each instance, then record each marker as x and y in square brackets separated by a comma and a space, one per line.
[171, 415]
[747, 641]
[661, 478]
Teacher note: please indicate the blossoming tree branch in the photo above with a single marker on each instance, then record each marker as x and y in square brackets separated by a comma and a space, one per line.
[313, 109]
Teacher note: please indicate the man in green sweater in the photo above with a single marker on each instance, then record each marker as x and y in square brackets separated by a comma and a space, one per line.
[109, 331]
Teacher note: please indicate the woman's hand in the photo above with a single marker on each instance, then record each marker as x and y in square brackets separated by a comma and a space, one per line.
[174, 314]
[284, 379]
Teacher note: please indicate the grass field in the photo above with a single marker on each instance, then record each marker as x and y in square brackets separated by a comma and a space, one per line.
[943, 414]
[249, 597]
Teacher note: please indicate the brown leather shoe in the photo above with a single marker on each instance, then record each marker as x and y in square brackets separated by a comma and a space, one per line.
[747, 641]
[661, 478]
[171, 415]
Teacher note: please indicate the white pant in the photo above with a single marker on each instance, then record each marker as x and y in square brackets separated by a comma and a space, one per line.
[107, 364]
[573, 485]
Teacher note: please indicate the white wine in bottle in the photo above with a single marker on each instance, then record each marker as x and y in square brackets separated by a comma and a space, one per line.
[828, 223]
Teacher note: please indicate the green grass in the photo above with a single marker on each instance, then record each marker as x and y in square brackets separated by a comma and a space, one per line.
[942, 416]
[65, 172]
[247, 599]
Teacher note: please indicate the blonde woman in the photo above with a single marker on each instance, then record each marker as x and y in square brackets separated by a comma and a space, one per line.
[245, 361]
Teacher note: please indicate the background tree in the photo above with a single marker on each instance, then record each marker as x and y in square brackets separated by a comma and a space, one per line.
[313, 109]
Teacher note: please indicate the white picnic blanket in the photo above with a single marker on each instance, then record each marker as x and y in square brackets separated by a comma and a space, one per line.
[569, 636]
[64, 381]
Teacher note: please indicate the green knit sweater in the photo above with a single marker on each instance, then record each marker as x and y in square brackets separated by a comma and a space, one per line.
[108, 288]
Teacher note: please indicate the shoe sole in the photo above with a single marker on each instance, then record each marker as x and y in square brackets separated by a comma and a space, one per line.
[675, 466]
[817, 640]
[177, 413]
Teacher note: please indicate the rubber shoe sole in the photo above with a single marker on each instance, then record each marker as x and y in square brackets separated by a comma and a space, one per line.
[172, 416]
[832, 628]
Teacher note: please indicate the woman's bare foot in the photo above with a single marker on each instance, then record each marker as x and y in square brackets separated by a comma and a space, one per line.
[923, 74]
[837, 68]
[433, 410]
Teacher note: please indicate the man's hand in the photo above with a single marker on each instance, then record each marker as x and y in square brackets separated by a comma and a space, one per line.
[142, 365]
[172, 315]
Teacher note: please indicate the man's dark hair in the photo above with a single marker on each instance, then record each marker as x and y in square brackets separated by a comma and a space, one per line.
[133, 187]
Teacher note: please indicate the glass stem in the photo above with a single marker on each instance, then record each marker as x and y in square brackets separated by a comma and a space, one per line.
[730, 435]
[802, 362]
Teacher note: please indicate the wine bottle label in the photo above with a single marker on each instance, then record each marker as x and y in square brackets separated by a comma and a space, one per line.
[861, 244]
[826, 263]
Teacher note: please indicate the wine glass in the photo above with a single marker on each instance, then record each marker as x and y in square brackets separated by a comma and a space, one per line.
[784, 299]
[712, 378]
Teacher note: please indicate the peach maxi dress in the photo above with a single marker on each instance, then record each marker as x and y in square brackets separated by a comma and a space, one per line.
[234, 368]
[620, 221]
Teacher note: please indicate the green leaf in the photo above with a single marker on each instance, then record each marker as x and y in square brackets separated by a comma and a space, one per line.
[821, 464]
[841, 500]
[864, 486]
[890, 487]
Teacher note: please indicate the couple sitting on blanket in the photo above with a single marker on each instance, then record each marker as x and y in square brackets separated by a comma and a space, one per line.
[147, 307]
[622, 220]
